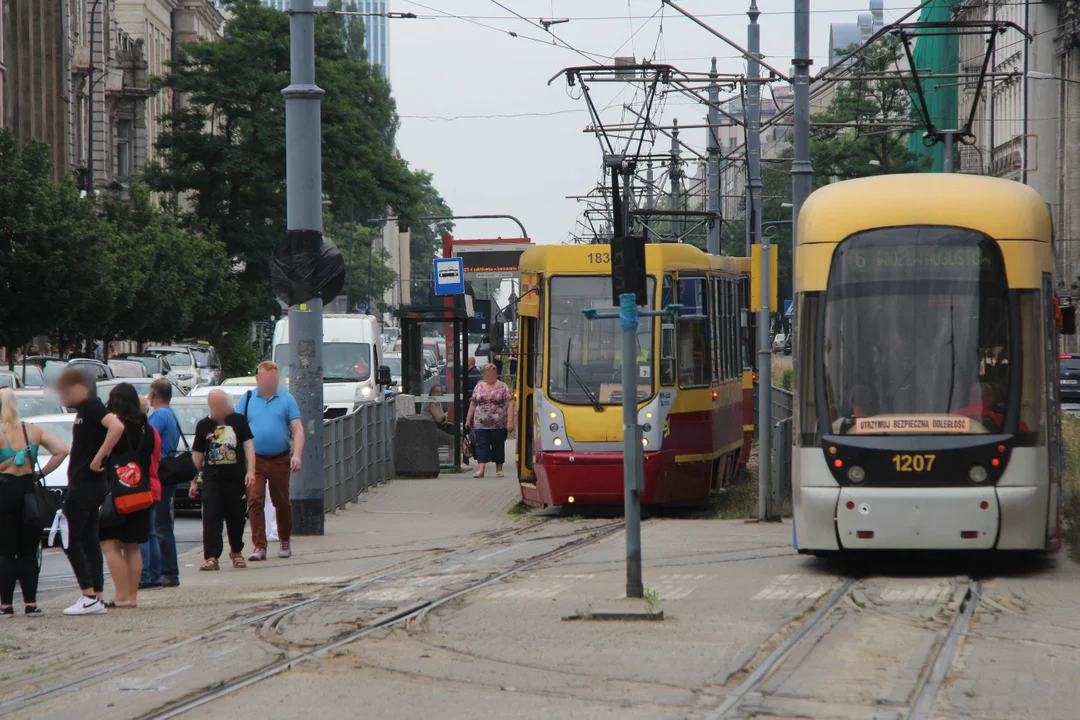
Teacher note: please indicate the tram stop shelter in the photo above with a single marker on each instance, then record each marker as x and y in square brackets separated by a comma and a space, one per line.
[418, 322]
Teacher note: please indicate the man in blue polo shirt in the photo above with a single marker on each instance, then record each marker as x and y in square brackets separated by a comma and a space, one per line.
[274, 418]
[161, 567]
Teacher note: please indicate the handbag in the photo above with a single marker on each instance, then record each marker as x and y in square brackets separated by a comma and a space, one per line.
[179, 468]
[468, 445]
[41, 503]
[109, 517]
[128, 484]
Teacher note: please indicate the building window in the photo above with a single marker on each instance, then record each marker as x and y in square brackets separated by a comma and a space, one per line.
[125, 132]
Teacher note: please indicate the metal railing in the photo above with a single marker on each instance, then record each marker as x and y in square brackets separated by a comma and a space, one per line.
[358, 452]
[783, 405]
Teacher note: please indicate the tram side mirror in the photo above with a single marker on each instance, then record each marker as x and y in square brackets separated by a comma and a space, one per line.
[498, 339]
[1067, 320]
[384, 376]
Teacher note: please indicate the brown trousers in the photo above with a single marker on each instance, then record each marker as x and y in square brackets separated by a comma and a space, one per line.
[273, 473]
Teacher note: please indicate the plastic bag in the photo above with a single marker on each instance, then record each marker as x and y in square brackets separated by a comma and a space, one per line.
[306, 265]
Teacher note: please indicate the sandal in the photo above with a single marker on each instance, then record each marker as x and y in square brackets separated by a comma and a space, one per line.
[211, 564]
[478, 475]
[238, 560]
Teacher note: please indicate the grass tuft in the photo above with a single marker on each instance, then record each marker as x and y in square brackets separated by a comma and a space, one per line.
[1070, 429]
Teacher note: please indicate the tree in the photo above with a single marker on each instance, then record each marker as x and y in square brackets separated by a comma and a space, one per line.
[351, 28]
[425, 240]
[223, 153]
[366, 274]
[853, 137]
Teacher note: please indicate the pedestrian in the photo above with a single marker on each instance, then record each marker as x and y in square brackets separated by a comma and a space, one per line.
[120, 541]
[513, 363]
[491, 415]
[225, 453]
[274, 419]
[473, 378]
[445, 431]
[161, 567]
[93, 435]
[19, 447]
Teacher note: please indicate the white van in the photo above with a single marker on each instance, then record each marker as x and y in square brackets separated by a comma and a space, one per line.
[352, 353]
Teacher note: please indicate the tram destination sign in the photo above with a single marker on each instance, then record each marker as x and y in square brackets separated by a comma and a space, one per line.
[496, 259]
[923, 260]
[913, 424]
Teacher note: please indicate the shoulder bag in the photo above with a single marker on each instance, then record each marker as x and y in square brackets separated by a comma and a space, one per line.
[41, 503]
[179, 468]
[128, 481]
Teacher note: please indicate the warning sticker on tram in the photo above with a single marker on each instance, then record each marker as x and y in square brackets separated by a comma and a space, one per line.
[912, 424]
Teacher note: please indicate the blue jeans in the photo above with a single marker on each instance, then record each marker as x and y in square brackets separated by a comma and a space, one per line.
[159, 554]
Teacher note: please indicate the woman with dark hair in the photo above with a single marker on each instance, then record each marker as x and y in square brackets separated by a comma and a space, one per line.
[120, 541]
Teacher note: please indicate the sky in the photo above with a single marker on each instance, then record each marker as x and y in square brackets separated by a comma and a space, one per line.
[527, 150]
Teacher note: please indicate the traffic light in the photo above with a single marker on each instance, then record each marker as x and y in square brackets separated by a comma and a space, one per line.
[628, 269]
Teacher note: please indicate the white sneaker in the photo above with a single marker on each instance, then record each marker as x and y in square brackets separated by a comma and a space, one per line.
[87, 606]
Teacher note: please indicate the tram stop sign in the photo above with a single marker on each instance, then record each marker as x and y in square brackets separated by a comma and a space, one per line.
[628, 269]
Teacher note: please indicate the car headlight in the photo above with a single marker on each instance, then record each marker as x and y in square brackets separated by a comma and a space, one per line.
[363, 393]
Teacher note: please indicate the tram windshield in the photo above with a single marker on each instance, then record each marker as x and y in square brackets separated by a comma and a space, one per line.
[585, 356]
[917, 334]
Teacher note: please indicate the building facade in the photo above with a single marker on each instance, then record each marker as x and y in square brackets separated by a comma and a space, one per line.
[78, 77]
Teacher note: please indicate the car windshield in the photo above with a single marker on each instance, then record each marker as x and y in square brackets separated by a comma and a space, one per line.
[202, 358]
[152, 364]
[179, 359]
[394, 363]
[1070, 365]
[190, 415]
[52, 370]
[7, 380]
[33, 406]
[141, 385]
[62, 431]
[916, 334]
[348, 362]
[127, 368]
[586, 355]
[31, 375]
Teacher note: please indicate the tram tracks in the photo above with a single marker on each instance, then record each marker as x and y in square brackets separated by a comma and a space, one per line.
[767, 681]
[112, 671]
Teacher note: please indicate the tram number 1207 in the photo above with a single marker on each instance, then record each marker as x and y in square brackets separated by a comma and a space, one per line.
[913, 463]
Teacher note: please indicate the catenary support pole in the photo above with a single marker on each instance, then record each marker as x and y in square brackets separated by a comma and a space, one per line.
[802, 170]
[712, 170]
[303, 175]
[632, 450]
[675, 176]
[764, 369]
[650, 204]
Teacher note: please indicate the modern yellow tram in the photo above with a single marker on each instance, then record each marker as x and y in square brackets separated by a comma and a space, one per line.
[927, 411]
[694, 387]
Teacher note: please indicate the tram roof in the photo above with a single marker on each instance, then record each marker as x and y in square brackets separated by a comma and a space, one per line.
[575, 259]
[1001, 209]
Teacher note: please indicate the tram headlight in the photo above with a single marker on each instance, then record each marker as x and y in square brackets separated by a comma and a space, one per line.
[558, 442]
[644, 442]
[977, 474]
[553, 427]
[552, 415]
[856, 474]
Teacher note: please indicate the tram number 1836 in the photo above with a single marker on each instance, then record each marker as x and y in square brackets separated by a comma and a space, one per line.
[913, 463]
[599, 258]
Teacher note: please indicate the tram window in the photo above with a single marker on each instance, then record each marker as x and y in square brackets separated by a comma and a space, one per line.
[667, 354]
[536, 347]
[747, 324]
[735, 365]
[724, 318]
[1031, 386]
[714, 328]
[585, 356]
[917, 324]
[807, 348]
[692, 333]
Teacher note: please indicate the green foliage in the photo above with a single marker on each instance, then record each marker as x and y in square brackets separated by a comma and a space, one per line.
[425, 241]
[239, 358]
[223, 154]
[787, 379]
[366, 274]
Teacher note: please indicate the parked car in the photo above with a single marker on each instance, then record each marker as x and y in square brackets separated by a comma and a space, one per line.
[94, 368]
[38, 401]
[141, 385]
[182, 367]
[31, 375]
[778, 342]
[206, 359]
[128, 368]
[60, 425]
[156, 365]
[189, 411]
[787, 345]
[1070, 378]
[10, 379]
[244, 381]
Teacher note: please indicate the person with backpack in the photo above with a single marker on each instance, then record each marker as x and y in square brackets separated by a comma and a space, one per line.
[93, 436]
[19, 447]
[129, 472]
[274, 419]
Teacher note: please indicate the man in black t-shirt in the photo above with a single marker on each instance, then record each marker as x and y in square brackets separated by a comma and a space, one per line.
[225, 453]
[93, 436]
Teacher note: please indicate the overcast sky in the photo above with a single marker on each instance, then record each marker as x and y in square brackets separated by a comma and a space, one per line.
[449, 67]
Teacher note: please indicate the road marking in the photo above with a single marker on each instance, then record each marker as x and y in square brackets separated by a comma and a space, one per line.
[788, 587]
[675, 587]
[545, 586]
[931, 593]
